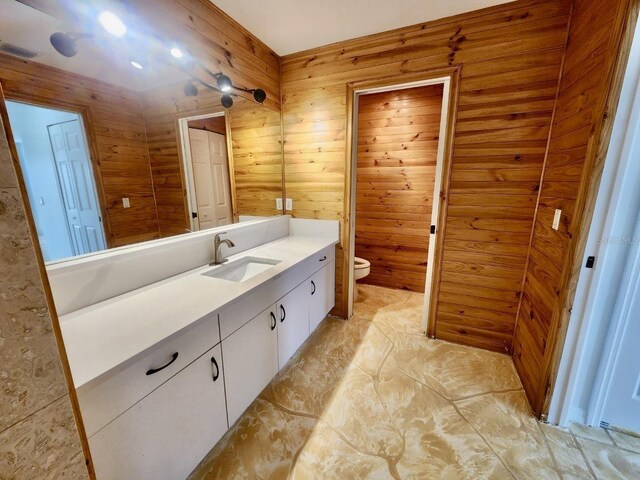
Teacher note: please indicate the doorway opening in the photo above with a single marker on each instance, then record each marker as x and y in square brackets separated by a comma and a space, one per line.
[208, 170]
[56, 166]
[399, 157]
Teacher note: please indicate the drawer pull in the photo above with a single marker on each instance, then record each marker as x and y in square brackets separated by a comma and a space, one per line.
[273, 325]
[215, 368]
[323, 259]
[156, 370]
[284, 314]
[313, 284]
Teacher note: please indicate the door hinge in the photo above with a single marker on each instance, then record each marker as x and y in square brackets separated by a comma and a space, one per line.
[194, 214]
[433, 229]
[590, 262]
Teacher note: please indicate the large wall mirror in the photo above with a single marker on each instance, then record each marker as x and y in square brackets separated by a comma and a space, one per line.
[129, 132]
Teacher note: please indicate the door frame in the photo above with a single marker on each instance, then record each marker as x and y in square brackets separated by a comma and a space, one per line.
[450, 78]
[84, 114]
[184, 152]
[594, 326]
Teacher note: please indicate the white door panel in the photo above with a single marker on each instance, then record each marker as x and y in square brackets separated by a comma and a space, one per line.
[78, 190]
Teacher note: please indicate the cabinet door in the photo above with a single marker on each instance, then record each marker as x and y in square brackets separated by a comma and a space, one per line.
[293, 322]
[167, 433]
[321, 287]
[250, 361]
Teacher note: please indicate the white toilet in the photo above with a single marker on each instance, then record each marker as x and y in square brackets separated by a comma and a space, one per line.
[361, 269]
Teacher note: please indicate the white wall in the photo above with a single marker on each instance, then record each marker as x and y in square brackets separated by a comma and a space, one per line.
[29, 125]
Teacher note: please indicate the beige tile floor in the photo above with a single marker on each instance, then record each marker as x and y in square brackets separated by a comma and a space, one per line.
[372, 398]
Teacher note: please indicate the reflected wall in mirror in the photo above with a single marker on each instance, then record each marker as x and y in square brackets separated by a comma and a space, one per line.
[122, 142]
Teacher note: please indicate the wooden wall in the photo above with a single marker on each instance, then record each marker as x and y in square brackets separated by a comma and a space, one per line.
[398, 134]
[257, 158]
[116, 131]
[585, 80]
[223, 46]
[510, 57]
[211, 124]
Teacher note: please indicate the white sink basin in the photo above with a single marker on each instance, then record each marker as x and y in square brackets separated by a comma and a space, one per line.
[242, 269]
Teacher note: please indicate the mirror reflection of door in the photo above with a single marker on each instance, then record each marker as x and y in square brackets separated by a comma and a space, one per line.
[210, 171]
[57, 169]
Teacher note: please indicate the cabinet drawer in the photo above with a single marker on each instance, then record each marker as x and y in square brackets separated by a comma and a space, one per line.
[166, 434]
[106, 397]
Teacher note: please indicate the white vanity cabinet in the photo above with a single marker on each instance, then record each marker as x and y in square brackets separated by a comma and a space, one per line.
[167, 433]
[250, 358]
[322, 294]
[293, 322]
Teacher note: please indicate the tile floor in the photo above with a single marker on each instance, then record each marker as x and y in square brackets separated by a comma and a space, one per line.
[371, 398]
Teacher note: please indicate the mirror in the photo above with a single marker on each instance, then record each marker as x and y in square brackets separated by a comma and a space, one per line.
[124, 127]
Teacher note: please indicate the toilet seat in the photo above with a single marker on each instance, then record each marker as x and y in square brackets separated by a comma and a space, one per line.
[360, 263]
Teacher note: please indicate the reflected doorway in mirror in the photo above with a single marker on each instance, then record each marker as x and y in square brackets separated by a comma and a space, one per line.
[207, 170]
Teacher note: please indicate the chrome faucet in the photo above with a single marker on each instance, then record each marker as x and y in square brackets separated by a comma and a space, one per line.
[217, 258]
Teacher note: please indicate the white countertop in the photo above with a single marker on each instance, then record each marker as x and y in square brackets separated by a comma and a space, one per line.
[102, 336]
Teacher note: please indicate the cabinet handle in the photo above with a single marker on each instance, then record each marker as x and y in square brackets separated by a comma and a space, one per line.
[273, 317]
[313, 284]
[216, 372]
[323, 259]
[151, 371]
[284, 314]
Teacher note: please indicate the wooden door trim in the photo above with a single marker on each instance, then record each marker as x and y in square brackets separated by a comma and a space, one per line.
[92, 142]
[453, 73]
[604, 116]
[55, 322]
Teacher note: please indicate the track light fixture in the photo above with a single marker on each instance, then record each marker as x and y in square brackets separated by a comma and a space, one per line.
[66, 44]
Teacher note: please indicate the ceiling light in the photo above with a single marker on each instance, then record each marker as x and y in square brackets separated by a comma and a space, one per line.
[259, 95]
[224, 83]
[226, 101]
[112, 23]
[176, 52]
[190, 90]
[136, 65]
[64, 44]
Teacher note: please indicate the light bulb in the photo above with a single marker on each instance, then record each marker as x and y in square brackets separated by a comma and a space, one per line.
[137, 65]
[112, 23]
[176, 52]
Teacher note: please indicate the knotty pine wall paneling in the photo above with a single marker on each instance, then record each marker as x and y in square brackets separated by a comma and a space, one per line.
[222, 45]
[585, 81]
[116, 133]
[256, 149]
[510, 57]
[396, 164]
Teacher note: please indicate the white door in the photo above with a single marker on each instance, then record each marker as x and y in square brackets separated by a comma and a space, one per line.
[166, 434]
[220, 173]
[202, 178]
[250, 361]
[210, 169]
[322, 295]
[77, 186]
[293, 322]
[621, 406]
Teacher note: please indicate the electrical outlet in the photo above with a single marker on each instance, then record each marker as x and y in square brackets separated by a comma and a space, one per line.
[289, 204]
[126, 203]
[279, 204]
[556, 219]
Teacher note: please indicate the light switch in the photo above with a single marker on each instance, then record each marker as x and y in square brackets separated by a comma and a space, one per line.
[125, 202]
[289, 204]
[556, 219]
[278, 203]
